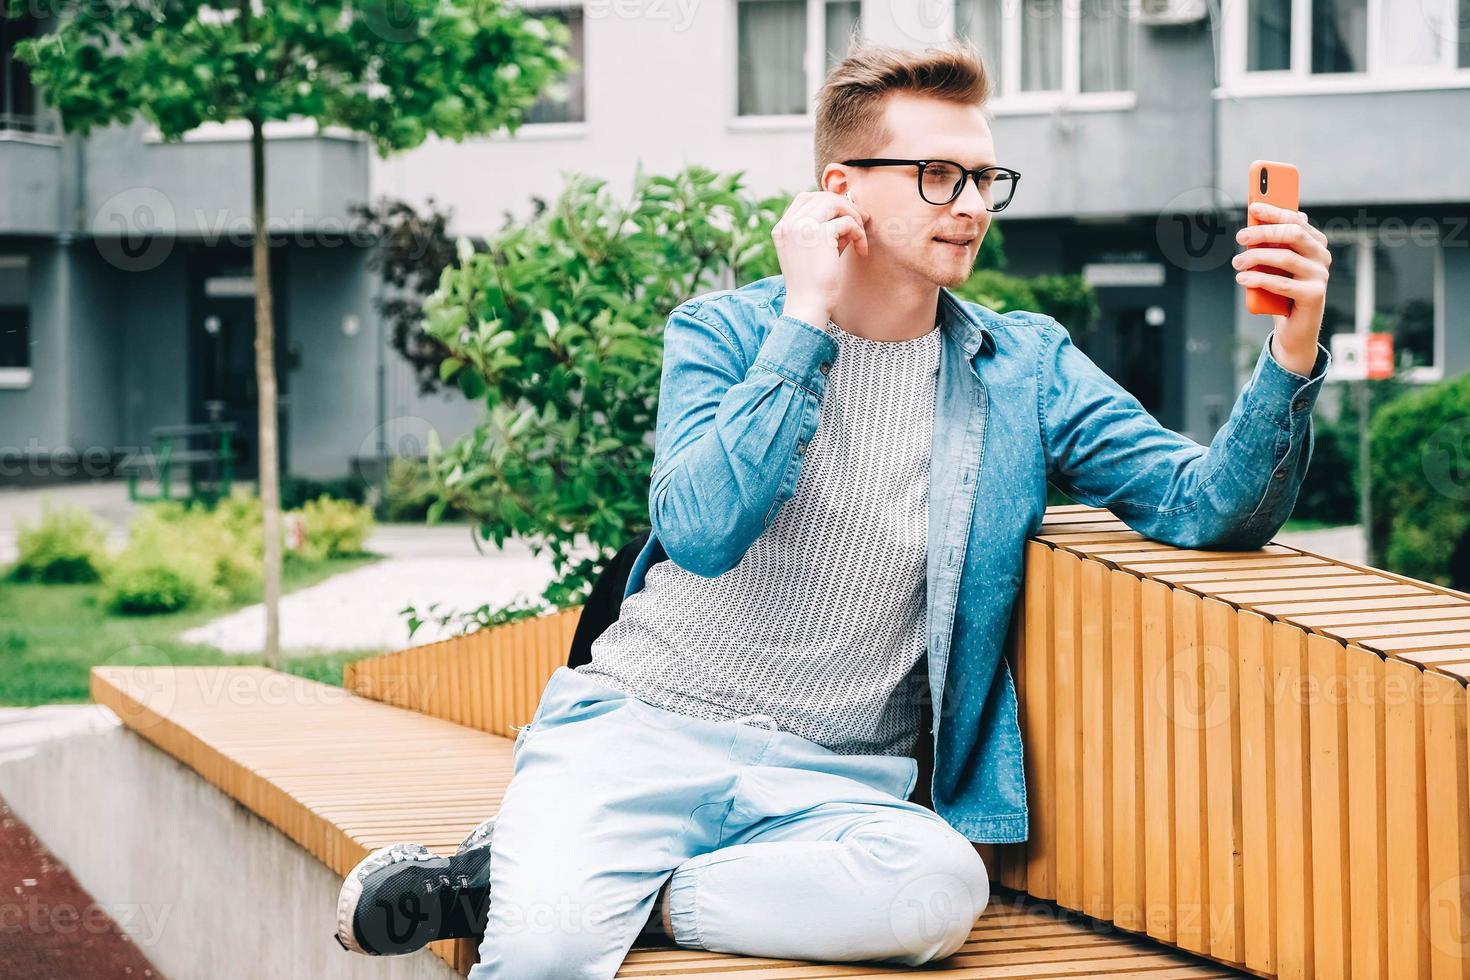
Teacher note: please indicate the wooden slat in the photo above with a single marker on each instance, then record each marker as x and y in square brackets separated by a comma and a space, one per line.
[1125, 659]
[1039, 743]
[1158, 761]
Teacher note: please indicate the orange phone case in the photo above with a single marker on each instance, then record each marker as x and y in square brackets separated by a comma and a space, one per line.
[1283, 186]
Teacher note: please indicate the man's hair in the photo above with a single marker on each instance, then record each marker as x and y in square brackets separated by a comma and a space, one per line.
[851, 102]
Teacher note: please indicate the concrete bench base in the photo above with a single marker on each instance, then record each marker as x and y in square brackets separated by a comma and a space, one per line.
[206, 888]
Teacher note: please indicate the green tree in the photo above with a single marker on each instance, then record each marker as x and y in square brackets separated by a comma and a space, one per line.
[393, 70]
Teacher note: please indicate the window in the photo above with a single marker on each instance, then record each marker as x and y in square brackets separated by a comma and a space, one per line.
[15, 327]
[1050, 47]
[1462, 17]
[1390, 281]
[773, 77]
[17, 96]
[842, 18]
[565, 101]
[1343, 40]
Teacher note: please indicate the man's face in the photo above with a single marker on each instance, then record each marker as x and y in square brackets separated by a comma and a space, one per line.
[904, 227]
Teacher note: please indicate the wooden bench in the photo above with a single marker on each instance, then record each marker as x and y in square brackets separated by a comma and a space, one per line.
[342, 774]
[1196, 809]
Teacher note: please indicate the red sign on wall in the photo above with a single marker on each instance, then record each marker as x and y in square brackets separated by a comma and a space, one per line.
[1380, 355]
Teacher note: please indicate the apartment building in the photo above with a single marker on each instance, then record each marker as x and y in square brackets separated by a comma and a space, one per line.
[125, 290]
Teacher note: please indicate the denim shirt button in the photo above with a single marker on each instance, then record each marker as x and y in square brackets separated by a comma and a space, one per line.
[1299, 404]
[825, 367]
[801, 445]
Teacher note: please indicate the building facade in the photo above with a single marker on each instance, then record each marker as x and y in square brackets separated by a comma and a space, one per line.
[125, 292]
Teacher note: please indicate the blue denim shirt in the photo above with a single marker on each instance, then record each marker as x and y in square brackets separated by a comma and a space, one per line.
[1016, 405]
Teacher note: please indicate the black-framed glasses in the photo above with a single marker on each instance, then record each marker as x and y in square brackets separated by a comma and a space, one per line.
[941, 181]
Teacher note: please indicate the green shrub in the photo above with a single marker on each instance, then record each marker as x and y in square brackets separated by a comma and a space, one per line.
[334, 528]
[161, 570]
[67, 545]
[1329, 492]
[181, 556]
[296, 491]
[1421, 482]
[411, 492]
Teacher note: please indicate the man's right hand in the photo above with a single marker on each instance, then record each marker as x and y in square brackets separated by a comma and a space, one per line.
[810, 239]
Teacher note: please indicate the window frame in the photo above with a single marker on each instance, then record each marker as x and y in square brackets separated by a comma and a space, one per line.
[543, 8]
[1008, 99]
[814, 67]
[18, 378]
[1299, 79]
[1366, 242]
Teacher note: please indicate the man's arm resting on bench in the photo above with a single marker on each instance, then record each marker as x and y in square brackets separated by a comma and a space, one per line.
[1105, 450]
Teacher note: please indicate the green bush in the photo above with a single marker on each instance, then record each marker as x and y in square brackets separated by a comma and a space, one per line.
[160, 570]
[334, 528]
[67, 545]
[297, 490]
[180, 556]
[411, 492]
[1421, 483]
[1329, 492]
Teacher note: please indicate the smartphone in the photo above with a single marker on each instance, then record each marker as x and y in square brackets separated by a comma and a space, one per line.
[1279, 184]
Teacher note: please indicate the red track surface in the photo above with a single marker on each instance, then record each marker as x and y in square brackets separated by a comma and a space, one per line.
[50, 929]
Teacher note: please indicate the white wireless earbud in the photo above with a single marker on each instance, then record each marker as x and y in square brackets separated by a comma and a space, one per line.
[847, 193]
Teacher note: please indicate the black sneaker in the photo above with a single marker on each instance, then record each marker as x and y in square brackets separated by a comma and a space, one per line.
[402, 897]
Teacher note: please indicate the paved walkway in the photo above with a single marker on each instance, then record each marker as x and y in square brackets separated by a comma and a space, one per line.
[360, 609]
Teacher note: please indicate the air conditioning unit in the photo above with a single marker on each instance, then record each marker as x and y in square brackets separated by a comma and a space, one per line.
[1162, 12]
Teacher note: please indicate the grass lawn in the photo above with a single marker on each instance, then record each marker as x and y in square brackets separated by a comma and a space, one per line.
[1306, 525]
[52, 635]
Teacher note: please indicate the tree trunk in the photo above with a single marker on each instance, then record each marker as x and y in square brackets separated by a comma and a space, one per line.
[265, 379]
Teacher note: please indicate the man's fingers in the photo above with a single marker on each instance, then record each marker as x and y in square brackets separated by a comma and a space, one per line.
[1280, 258]
[848, 230]
[824, 205]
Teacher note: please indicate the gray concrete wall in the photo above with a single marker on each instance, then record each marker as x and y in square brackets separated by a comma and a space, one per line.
[334, 415]
[30, 194]
[152, 314]
[1128, 161]
[208, 890]
[202, 188]
[1407, 147]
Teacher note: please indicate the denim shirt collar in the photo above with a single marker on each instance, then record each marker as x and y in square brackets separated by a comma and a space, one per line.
[954, 317]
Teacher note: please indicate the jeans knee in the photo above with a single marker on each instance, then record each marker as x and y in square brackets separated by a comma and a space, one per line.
[935, 908]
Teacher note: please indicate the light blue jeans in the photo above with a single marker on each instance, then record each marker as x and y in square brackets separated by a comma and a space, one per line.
[777, 846]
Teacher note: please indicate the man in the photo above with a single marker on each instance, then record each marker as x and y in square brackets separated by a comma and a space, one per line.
[848, 461]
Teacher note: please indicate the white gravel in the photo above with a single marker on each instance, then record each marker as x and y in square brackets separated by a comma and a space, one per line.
[360, 609]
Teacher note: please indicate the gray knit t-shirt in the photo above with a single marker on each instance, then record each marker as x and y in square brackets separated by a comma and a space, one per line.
[821, 624]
